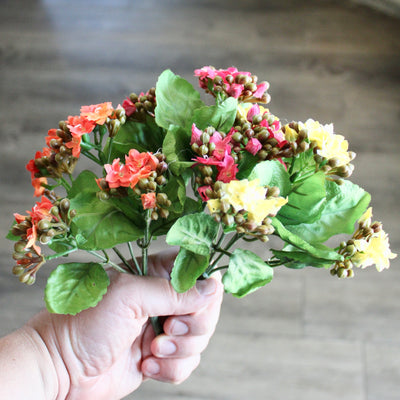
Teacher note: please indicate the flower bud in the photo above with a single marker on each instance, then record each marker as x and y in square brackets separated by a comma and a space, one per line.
[18, 270]
[20, 246]
[44, 225]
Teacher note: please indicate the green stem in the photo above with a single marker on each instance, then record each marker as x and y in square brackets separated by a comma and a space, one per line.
[92, 157]
[106, 260]
[110, 150]
[65, 184]
[146, 243]
[133, 258]
[62, 254]
[124, 261]
[234, 238]
[218, 269]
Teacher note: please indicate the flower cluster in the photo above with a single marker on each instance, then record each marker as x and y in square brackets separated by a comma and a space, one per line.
[233, 83]
[64, 144]
[247, 205]
[137, 106]
[368, 246]
[45, 222]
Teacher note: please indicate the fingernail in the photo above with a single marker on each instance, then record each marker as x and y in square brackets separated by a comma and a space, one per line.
[179, 328]
[151, 367]
[206, 287]
[166, 347]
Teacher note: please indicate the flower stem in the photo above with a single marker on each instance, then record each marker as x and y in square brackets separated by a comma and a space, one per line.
[134, 259]
[106, 260]
[92, 157]
[125, 262]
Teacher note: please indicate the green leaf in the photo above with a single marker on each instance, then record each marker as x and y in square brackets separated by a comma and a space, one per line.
[306, 201]
[176, 147]
[176, 101]
[318, 251]
[10, 236]
[272, 173]
[142, 136]
[194, 232]
[84, 182]
[246, 273]
[187, 268]
[99, 224]
[345, 205]
[74, 287]
[246, 165]
[220, 116]
[294, 258]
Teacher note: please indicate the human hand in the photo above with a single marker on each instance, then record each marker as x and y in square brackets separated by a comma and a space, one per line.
[107, 351]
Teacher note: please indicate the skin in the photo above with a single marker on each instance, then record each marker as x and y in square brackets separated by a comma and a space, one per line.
[106, 352]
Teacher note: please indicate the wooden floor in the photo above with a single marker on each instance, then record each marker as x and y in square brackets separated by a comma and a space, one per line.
[306, 336]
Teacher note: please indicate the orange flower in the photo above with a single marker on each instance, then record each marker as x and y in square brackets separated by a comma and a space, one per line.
[140, 165]
[97, 113]
[148, 200]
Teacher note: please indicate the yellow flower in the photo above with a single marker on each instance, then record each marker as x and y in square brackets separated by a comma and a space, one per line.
[248, 196]
[329, 144]
[375, 250]
[366, 217]
[258, 210]
[214, 205]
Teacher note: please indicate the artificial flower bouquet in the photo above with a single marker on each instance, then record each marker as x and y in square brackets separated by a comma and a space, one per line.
[209, 177]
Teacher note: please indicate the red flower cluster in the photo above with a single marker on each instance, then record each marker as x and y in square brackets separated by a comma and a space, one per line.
[238, 84]
[137, 166]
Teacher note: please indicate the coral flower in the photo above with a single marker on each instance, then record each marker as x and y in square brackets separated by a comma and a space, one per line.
[140, 165]
[148, 200]
[75, 145]
[79, 125]
[117, 174]
[97, 113]
[38, 185]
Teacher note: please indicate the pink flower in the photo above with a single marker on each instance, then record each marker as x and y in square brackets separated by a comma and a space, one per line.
[253, 146]
[118, 174]
[202, 192]
[148, 200]
[253, 110]
[80, 125]
[235, 90]
[207, 160]
[196, 135]
[221, 145]
[227, 169]
[129, 107]
[261, 89]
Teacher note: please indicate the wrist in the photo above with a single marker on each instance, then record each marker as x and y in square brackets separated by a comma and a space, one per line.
[47, 376]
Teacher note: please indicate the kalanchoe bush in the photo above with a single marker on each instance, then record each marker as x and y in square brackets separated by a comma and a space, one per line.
[208, 177]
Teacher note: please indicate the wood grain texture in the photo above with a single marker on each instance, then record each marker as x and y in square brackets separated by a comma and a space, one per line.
[306, 336]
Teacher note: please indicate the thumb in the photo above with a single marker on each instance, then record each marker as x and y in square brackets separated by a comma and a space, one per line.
[149, 296]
